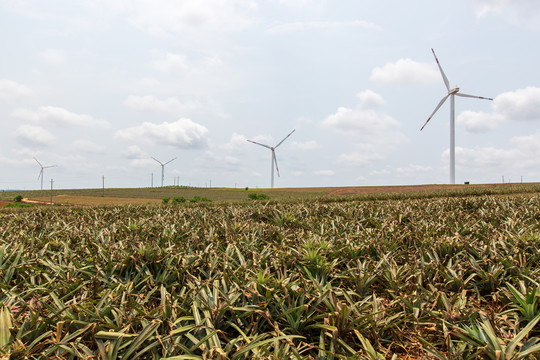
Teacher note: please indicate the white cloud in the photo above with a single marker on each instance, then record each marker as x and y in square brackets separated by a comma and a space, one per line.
[520, 105]
[134, 152]
[377, 132]
[477, 122]
[365, 120]
[57, 116]
[183, 133]
[360, 158]
[53, 56]
[144, 164]
[88, 146]
[484, 7]
[172, 63]
[10, 89]
[517, 12]
[370, 99]
[320, 25]
[325, 173]
[170, 105]
[529, 144]
[34, 135]
[296, 3]
[236, 142]
[188, 19]
[405, 72]
[383, 172]
[483, 157]
[414, 170]
[306, 146]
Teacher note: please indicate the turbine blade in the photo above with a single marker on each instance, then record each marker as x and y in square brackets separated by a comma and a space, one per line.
[40, 174]
[266, 146]
[446, 82]
[284, 138]
[169, 161]
[275, 161]
[38, 162]
[157, 160]
[434, 111]
[473, 96]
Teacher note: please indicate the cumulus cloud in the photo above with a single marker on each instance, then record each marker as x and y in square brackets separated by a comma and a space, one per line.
[377, 131]
[53, 56]
[183, 133]
[296, 3]
[57, 116]
[170, 105]
[10, 89]
[236, 142]
[364, 120]
[520, 105]
[413, 170]
[484, 157]
[405, 72]
[360, 158]
[171, 62]
[518, 12]
[306, 146]
[320, 25]
[190, 18]
[32, 135]
[477, 122]
[325, 173]
[134, 152]
[88, 146]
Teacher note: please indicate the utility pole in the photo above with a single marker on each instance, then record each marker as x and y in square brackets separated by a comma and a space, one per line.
[103, 185]
[51, 190]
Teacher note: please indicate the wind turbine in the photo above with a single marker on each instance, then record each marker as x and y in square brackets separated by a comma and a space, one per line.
[162, 168]
[274, 160]
[451, 94]
[41, 171]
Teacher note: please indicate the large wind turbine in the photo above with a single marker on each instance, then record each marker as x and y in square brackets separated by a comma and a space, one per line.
[41, 171]
[274, 160]
[451, 94]
[162, 168]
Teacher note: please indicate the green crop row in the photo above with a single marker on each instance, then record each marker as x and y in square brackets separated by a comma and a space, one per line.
[446, 278]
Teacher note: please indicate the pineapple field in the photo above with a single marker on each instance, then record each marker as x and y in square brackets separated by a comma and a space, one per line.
[425, 277]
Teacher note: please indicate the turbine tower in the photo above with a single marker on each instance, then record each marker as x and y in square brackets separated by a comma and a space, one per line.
[41, 171]
[163, 168]
[273, 160]
[451, 94]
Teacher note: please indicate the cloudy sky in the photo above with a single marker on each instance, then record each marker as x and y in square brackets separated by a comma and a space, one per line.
[98, 87]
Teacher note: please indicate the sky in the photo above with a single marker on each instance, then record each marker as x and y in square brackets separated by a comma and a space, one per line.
[100, 87]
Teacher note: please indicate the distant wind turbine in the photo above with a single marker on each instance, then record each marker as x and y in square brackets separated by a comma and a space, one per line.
[451, 94]
[41, 171]
[274, 160]
[163, 168]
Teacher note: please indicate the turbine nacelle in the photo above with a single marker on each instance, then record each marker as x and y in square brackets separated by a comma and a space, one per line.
[454, 91]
